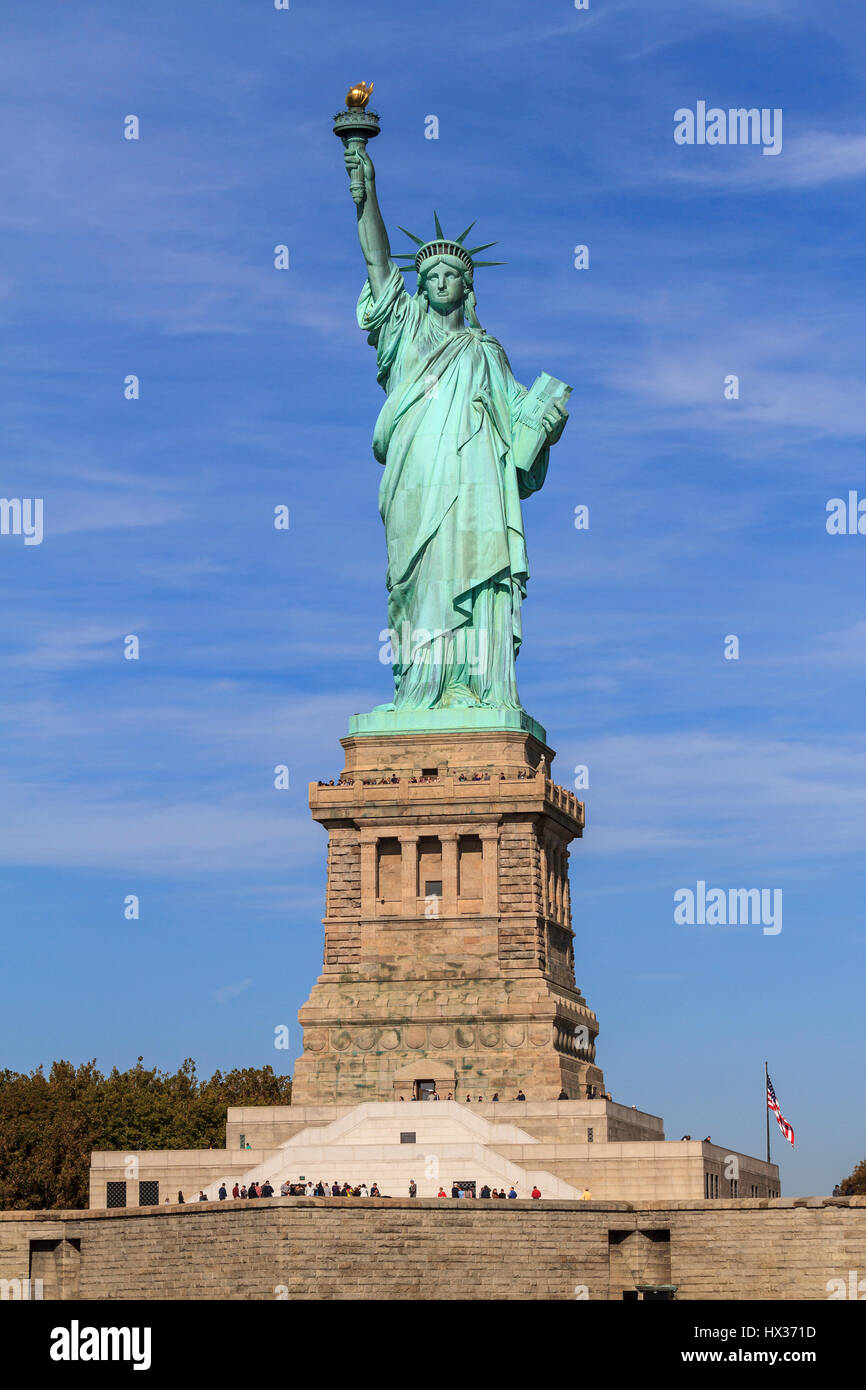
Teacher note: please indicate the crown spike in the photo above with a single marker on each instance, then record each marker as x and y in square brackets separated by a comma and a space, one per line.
[441, 245]
[419, 241]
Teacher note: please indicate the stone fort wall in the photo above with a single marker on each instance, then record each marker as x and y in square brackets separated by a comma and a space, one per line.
[317, 1248]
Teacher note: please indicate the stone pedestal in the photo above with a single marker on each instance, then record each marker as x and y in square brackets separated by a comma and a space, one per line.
[448, 956]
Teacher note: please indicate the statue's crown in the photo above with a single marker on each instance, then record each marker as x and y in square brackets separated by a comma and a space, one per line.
[442, 246]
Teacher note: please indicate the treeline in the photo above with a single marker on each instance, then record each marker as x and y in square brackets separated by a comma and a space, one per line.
[49, 1125]
[855, 1184]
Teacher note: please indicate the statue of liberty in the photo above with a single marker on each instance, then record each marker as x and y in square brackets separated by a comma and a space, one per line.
[461, 443]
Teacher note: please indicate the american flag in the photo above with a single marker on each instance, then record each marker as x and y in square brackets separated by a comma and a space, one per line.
[773, 1105]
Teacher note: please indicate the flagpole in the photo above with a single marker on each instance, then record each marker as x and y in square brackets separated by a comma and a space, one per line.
[766, 1106]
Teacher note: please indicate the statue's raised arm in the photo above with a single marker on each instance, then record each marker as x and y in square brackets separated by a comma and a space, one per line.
[371, 226]
[355, 126]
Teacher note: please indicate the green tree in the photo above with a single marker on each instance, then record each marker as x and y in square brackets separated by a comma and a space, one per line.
[48, 1126]
[856, 1181]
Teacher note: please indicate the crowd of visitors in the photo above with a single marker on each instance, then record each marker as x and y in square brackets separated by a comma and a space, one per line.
[307, 1188]
[458, 1191]
[592, 1093]
[434, 1095]
[523, 775]
[300, 1188]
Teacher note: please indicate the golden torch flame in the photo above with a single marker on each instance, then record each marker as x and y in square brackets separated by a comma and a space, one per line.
[359, 95]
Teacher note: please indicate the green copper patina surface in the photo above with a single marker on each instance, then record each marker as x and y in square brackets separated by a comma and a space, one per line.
[461, 442]
[428, 721]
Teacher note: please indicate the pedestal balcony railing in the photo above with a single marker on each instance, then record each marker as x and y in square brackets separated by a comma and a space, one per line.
[449, 788]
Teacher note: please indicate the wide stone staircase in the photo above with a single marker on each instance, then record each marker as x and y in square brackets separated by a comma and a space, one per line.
[451, 1143]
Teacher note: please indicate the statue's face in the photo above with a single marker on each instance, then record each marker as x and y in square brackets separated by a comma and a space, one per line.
[444, 284]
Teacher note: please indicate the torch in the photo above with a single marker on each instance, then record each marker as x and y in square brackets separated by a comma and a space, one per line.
[355, 126]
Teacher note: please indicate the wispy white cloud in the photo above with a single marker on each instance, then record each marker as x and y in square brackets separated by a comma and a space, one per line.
[78, 827]
[72, 646]
[808, 160]
[227, 992]
[739, 800]
[71, 513]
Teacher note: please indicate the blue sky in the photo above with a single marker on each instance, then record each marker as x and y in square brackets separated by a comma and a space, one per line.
[707, 516]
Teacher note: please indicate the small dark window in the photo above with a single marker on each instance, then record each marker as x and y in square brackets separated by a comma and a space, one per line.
[433, 888]
[243, 1141]
[590, 1135]
[407, 1136]
[115, 1194]
[148, 1193]
[429, 772]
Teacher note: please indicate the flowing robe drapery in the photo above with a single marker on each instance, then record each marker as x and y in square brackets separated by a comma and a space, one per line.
[450, 502]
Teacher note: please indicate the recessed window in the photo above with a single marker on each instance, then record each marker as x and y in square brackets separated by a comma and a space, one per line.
[407, 1136]
[433, 888]
[115, 1194]
[148, 1193]
[469, 858]
[388, 870]
[429, 772]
